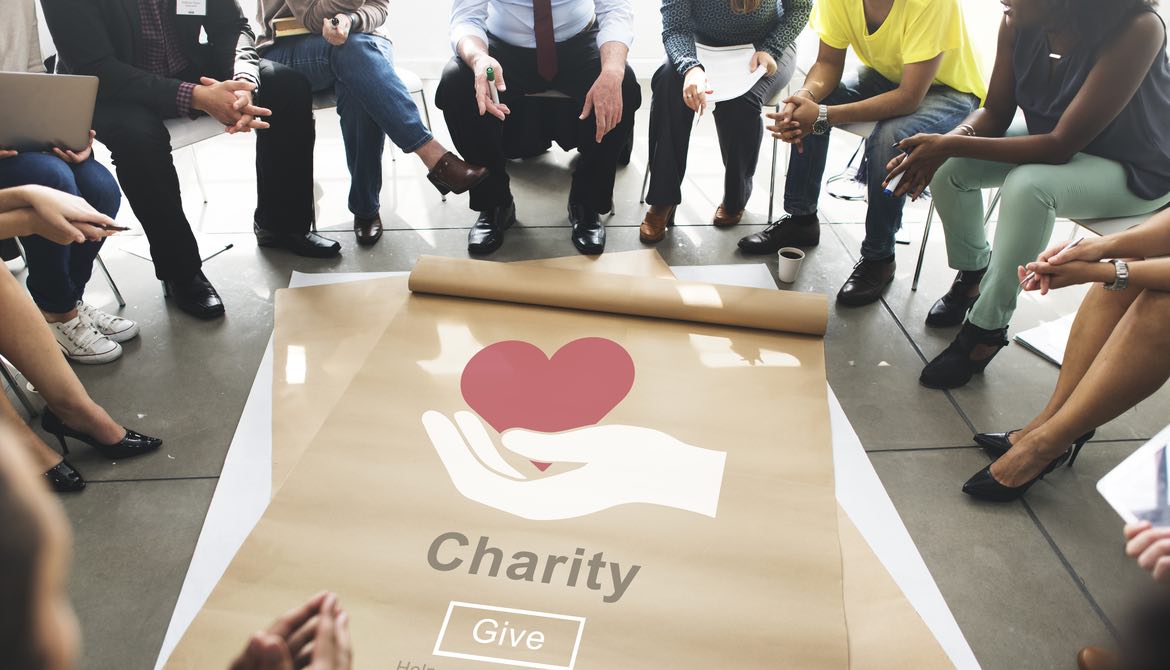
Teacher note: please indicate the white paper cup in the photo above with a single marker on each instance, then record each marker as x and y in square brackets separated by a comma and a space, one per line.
[790, 260]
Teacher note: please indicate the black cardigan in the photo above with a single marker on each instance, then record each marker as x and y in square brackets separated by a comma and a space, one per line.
[101, 38]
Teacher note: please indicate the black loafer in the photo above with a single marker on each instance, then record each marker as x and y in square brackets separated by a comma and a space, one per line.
[195, 296]
[367, 231]
[309, 245]
[951, 309]
[588, 230]
[954, 367]
[787, 231]
[867, 282]
[488, 232]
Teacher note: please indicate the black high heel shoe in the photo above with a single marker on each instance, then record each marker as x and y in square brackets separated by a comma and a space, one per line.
[985, 486]
[997, 444]
[954, 367]
[64, 478]
[132, 444]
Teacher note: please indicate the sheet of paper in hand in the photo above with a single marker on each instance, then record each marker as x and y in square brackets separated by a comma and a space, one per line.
[729, 73]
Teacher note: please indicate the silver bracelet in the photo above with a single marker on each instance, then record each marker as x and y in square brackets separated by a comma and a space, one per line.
[967, 129]
[810, 93]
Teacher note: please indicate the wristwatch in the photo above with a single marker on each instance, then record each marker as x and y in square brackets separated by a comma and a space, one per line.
[821, 125]
[1122, 280]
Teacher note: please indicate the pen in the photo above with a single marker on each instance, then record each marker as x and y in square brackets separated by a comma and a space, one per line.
[892, 187]
[491, 77]
[1032, 275]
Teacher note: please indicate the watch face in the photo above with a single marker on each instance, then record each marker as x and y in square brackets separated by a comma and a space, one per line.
[820, 127]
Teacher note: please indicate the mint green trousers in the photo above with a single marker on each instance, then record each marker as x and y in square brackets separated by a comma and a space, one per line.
[1031, 197]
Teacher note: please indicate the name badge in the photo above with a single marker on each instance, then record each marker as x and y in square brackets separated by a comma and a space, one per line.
[191, 7]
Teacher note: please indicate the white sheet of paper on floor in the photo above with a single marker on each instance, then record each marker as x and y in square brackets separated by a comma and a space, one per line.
[1048, 340]
[729, 72]
[1139, 488]
[245, 488]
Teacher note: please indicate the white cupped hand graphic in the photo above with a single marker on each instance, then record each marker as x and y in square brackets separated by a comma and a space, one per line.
[619, 465]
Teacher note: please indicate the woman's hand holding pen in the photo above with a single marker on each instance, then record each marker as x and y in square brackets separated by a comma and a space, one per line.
[1067, 264]
[64, 218]
[923, 154]
[695, 89]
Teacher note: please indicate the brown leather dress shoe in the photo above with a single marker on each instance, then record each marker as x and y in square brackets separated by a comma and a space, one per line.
[867, 283]
[725, 219]
[654, 225]
[1096, 658]
[452, 174]
[367, 231]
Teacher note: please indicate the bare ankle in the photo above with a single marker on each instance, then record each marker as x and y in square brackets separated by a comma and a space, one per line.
[430, 153]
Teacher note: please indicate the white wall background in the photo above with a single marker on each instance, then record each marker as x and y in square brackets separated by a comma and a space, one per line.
[419, 31]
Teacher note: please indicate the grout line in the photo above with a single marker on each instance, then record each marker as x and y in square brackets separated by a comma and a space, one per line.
[902, 450]
[950, 397]
[150, 479]
[1080, 583]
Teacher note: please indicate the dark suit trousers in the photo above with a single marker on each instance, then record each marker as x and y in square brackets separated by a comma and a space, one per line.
[479, 139]
[141, 149]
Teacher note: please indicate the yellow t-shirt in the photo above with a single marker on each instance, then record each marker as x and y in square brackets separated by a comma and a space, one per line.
[915, 31]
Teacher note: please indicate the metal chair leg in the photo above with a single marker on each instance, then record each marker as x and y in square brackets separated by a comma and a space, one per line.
[922, 250]
[772, 187]
[991, 208]
[20, 395]
[110, 281]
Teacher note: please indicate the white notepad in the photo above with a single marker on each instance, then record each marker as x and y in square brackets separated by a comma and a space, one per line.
[729, 72]
[1139, 488]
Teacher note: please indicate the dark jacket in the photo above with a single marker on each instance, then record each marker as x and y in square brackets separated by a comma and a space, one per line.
[100, 38]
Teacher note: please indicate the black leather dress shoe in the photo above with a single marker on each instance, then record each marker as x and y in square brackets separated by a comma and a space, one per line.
[310, 245]
[64, 478]
[195, 296]
[588, 230]
[488, 232]
[787, 231]
[951, 309]
[367, 231]
[867, 282]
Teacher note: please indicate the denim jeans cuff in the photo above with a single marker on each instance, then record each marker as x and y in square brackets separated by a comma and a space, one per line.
[419, 144]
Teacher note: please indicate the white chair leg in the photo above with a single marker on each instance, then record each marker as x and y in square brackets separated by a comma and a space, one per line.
[922, 250]
[645, 182]
[19, 392]
[110, 281]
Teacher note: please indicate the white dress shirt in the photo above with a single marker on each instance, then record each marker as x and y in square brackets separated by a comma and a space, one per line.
[512, 20]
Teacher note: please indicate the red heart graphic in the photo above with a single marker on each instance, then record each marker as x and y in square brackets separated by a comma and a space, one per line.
[513, 384]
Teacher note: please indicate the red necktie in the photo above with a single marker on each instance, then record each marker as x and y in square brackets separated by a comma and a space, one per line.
[546, 41]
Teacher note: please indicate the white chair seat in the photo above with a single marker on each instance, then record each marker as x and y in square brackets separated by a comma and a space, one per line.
[413, 82]
[1105, 227]
[863, 129]
[185, 132]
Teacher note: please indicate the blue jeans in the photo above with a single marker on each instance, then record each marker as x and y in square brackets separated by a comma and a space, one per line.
[371, 100]
[58, 273]
[941, 110]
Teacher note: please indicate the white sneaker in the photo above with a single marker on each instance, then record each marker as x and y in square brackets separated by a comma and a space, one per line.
[116, 328]
[81, 342]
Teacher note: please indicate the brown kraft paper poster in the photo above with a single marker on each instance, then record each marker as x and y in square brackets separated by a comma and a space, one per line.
[703, 513]
[885, 631]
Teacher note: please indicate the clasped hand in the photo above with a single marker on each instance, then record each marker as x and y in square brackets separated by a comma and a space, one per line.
[1061, 266]
[230, 103]
[795, 120]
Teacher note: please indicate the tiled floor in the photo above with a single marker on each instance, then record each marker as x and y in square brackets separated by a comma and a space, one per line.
[1029, 582]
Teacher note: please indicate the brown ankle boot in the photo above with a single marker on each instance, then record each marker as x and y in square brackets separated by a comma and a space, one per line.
[725, 219]
[1096, 658]
[654, 225]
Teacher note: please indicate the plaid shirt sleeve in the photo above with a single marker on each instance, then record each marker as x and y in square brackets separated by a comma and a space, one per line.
[184, 98]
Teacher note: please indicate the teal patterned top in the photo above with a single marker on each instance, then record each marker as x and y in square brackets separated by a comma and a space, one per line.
[772, 28]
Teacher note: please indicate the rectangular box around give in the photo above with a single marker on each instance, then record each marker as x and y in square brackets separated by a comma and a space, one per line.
[507, 636]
